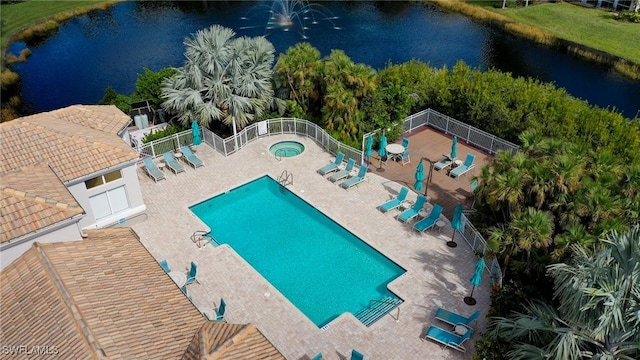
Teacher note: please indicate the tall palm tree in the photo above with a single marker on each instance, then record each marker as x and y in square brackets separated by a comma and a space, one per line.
[598, 316]
[224, 78]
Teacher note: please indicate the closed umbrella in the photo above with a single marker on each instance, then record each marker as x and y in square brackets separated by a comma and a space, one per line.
[369, 148]
[454, 147]
[419, 176]
[195, 130]
[382, 151]
[475, 281]
[456, 224]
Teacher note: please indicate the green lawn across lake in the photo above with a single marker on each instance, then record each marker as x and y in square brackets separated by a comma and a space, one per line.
[18, 16]
[594, 28]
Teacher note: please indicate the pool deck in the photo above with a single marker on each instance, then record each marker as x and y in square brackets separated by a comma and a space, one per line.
[437, 275]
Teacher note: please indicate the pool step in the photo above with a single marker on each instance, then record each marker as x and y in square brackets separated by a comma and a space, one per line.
[377, 309]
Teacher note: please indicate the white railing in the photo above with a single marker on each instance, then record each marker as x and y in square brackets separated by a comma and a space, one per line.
[281, 126]
[469, 134]
[169, 143]
[478, 245]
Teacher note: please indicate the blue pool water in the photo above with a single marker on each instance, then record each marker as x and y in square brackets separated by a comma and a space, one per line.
[322, 268]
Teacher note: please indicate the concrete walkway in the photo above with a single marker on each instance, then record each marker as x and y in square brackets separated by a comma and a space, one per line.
[437, 276]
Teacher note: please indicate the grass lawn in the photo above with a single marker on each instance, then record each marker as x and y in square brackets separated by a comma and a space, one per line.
[590, 27]
[17, 17]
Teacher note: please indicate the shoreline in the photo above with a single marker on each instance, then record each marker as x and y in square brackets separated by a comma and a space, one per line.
[539, 36]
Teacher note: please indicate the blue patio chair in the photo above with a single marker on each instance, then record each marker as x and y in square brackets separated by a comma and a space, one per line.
[165, 266]
[191, 276]
[334, 166]
[356, 179]
[428, 222]
[172, 163]
[405, 142]
[344, 172]
[405, 157]
[190, 157]
[454, 319]
[464, 168]
[414, 210]
[186, 293]
[448, 339]
[394, 203]
[355, 355]
[220, 310]
[152, 170]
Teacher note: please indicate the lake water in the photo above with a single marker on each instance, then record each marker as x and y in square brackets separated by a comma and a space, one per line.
[91, 52]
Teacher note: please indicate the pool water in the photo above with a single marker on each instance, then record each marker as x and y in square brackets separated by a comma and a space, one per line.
[322, 268]
[287, 149]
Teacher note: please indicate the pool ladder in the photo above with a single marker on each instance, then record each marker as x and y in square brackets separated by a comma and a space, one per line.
[286, 178]
[280, 152]
[202, 238]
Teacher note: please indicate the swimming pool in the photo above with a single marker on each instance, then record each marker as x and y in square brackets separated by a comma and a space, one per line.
[321, 267]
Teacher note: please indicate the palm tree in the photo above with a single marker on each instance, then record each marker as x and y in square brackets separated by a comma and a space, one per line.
[222, 79]
[598, 316]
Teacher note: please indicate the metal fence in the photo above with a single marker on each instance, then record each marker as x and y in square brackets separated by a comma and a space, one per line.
[478, 245]
[169, 143]
[471, 135]
[276, 127]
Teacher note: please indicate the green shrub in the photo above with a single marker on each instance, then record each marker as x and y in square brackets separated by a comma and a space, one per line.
[159, 134]
[630, 16]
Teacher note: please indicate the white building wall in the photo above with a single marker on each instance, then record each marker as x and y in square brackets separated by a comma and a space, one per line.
[134, 196]
[11, 251]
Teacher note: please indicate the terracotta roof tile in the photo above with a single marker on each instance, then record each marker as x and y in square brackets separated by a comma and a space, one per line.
[216, 340]
[105, 294]
[77, 140]
[33, 198]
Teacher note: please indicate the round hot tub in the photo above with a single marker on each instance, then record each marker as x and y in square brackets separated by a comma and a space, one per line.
[286, 149]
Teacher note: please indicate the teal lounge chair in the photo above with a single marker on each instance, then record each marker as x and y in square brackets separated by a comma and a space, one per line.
[454, 319]
[191, 276]
[172, 163]
[414, 210]
[394, 203]
[356, 179]
[151, 169]
[443, 164]
[428, 222]
[464, 168]
[190, 157]
[448, 339]
[165, 266]
[317, 357]
[344, 172]
[334, 166]
[355, 355]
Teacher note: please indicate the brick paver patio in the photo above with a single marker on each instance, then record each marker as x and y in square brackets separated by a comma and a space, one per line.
[437, 276]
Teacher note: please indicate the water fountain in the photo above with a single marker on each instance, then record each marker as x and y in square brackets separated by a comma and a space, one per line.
[291, 14]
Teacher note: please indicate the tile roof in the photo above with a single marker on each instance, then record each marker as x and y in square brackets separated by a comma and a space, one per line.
[31, 199]
[107, 297]
[102, 296]
[231, 342]
[78, 141]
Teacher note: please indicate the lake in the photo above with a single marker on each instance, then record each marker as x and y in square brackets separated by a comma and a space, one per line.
[109, 48]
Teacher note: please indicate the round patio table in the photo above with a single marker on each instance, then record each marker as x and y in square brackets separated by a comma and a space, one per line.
[394, 150]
